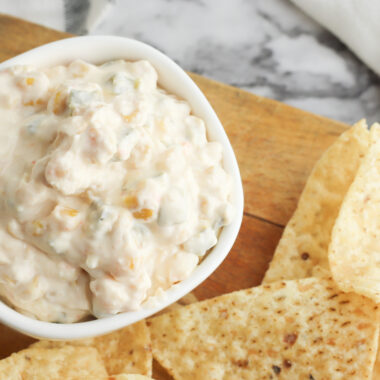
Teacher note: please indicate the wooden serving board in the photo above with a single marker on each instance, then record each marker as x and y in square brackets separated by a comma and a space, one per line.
[276, 147]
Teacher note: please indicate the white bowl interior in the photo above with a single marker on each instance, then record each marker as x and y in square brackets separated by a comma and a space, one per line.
[99, 49]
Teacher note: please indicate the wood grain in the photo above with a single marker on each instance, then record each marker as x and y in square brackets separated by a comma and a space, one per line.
[276, 146]
[18, 36]
[12, 341]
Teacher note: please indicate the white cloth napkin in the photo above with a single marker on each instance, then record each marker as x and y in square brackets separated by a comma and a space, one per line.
[355, 22]
[74, 16]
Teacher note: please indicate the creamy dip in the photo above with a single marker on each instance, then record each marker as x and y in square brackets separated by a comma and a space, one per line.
[110, 192]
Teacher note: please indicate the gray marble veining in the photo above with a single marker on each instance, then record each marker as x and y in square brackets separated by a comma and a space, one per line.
[267, 47]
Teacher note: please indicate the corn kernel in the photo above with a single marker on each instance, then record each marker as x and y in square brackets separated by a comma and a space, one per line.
[38, 228]
[29, 81]
[131, 201]
[137, 84]
[69, 212]
[33, 103]
[144, 213]
[56, 98]
[131, 264]
[59, 104]
[131, 116]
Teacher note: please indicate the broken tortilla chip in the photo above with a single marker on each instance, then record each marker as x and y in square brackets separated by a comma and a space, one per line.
[69, 363]
[302, 329]
[304, 243]
[124, 351]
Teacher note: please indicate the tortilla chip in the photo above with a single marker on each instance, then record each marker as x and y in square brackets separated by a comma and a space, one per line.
[303, 329]
[69, 363]
[354, 251]
[305, 240]
[124, 351]
[286, 263]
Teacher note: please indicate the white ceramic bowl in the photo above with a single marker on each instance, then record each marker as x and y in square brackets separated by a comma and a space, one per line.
[99, 49]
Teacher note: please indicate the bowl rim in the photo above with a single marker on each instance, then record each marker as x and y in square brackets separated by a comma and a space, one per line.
[97, 49]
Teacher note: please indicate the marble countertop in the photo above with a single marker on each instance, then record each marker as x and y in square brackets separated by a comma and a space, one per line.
[267, 47]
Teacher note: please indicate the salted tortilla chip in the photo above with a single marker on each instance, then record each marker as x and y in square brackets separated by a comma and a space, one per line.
[354, 251]
[298, 236]
[305, 240]
[69, 363]
[124, 351]
[302, 329]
